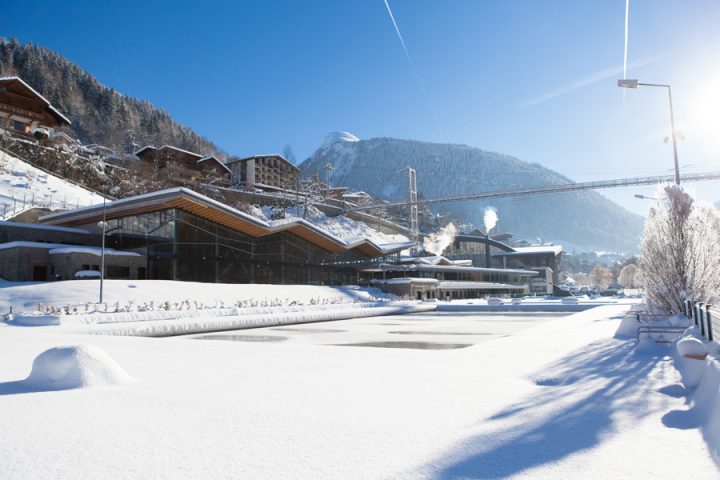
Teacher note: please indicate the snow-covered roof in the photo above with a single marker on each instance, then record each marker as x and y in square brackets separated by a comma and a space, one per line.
[210, 157]
[36, 93]
[405, 280]
[200, 205]
[97, 251]
[453, 285]
[453, 268]
[554, 249]
[146, 147]
[150, 147]
[4, 223]
[60, 248]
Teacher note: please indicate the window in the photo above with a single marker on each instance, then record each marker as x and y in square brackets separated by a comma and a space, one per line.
[19, 126]
[117, 272]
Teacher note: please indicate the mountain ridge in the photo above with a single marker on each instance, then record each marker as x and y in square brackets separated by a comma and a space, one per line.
[584, 219]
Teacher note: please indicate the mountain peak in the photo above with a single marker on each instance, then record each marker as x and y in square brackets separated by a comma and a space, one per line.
[335, 137]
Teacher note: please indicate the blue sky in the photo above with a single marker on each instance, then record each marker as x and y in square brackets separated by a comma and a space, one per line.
[532, 79]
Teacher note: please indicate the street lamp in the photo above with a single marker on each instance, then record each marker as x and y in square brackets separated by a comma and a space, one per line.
[644, 197]
[633, 83]
[102, 256]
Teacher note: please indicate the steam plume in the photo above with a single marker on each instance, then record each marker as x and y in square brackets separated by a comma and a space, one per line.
[490, 218]
[439, 241]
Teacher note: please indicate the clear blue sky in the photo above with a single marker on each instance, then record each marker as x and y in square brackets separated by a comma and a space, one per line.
[534, 79]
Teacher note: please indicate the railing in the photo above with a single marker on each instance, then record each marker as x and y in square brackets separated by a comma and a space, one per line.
[704, 316]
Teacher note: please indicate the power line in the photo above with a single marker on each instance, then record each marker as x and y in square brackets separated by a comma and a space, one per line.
[567, 187]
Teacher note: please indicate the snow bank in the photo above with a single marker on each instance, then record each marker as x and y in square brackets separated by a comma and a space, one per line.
[699, 365]
[27, 296]
[99, 317]
[75, 366]
[186, 326]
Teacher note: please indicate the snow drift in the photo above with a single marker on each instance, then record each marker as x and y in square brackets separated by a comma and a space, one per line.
[74, 366]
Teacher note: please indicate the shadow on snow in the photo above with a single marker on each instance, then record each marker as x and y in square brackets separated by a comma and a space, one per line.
[575, 407]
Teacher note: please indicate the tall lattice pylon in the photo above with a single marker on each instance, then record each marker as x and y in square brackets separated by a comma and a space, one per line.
[412, 204]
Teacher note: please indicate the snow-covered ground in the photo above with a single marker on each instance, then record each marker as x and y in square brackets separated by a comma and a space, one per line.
[340, 226]
[28, 295]
[562, 399]
[23, 186]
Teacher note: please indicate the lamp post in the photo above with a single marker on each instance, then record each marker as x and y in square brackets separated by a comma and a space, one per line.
[633, 83]
[102, 254]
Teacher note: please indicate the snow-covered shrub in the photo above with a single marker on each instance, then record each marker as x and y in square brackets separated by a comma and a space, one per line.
[680, 252]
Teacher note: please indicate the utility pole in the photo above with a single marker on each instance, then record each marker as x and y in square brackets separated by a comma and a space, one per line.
[328, 169]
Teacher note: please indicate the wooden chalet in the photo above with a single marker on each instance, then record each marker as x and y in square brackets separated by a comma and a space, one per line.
[23, 110]
[163, 156]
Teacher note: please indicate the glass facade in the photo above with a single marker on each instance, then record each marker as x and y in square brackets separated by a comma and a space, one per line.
[182, 246]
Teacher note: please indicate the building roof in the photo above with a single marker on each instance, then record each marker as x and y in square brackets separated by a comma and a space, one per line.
[458, 285]
[405, 280]
[209, 209]
[254, 157]
[62, 248]
[59, 116]
[414, 267]
[532, 250]
[4, 223]
[186, 152]
[212, 158]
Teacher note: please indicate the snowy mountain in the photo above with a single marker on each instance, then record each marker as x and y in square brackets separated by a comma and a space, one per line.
[585, 220]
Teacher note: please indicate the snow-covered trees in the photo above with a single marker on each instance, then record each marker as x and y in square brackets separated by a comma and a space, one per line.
[600, 277]
[629, 276]
[680, 252]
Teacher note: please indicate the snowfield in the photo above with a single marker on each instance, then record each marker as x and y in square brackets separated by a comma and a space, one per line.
[562, 399]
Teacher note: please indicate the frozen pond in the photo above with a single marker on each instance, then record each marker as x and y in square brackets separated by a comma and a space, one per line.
[423, 331]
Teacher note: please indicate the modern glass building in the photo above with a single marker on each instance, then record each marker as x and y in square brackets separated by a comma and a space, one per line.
[187, 236]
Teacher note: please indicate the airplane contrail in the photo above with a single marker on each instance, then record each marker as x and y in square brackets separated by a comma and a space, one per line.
[627, 17]
[415, 73]
[590, 79]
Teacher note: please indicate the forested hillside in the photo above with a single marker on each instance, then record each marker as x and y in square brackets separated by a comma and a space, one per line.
[99, 114]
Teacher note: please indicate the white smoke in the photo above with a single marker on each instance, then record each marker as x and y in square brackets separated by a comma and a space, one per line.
[439, 241]
[490, 219]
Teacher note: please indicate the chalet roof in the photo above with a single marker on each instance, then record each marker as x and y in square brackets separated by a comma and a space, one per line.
[210, 158]
[204, 207]
[150, 147]
[146, 147]
[59, 116]
[254, 157]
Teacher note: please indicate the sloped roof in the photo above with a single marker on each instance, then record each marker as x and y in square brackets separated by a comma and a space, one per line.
[204, 207]
[210, 157]
[55, 112]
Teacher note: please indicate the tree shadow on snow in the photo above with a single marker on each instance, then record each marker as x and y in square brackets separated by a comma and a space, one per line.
[575, 408]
